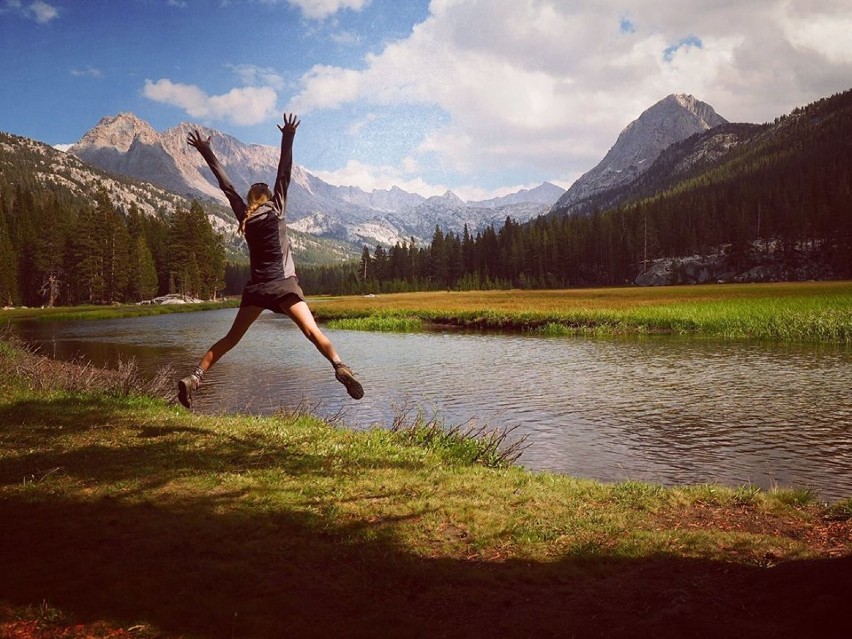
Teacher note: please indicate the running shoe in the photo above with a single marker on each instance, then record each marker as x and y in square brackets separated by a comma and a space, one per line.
[346, 377]
[186, 387]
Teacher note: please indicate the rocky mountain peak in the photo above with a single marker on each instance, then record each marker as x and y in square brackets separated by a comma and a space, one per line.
[672, 119]
[447, 199]
[117, 132]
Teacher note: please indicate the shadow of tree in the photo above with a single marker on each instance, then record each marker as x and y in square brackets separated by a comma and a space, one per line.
[204, 567]
[190, 570]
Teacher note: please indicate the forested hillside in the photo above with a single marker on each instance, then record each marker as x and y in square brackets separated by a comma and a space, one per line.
[71, 233]
[57, 251]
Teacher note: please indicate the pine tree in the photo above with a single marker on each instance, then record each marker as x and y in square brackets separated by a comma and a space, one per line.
[114, 242]
[8, 263]
[86, 260]
[209, 253]
[196, 254]
[364, 270]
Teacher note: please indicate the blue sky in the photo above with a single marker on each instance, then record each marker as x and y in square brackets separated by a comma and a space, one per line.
[479, 96]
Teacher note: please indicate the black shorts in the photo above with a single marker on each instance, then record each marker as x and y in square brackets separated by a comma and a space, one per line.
[270, 295]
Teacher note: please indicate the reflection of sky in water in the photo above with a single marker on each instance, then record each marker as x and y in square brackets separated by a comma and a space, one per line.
[664, 410]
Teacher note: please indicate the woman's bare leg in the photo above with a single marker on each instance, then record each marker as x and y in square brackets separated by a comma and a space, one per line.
[189, 384]
[299, 312]
[244, 319]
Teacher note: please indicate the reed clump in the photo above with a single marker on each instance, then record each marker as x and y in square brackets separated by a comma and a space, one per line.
[25, 366]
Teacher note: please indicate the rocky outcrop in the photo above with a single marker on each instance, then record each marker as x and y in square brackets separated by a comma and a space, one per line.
[759, 263]
[672, 119]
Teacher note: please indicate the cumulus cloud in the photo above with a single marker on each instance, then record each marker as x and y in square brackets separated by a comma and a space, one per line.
[406, 176]
[546, 83]
[242, 106]
[369, 177]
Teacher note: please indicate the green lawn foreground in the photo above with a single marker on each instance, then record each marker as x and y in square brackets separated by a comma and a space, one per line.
[124, 515]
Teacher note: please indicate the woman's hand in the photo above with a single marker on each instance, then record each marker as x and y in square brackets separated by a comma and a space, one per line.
[291, 123]
[195, 140]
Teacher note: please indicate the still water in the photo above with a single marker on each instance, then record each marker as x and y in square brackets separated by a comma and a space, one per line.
[663, 410]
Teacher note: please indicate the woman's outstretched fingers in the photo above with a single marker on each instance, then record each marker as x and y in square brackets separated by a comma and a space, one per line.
[291, 122]
[197, 141]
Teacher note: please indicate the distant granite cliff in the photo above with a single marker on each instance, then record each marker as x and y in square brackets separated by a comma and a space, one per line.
[671, 120]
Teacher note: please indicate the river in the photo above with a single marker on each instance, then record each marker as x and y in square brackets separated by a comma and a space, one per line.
[665, 410]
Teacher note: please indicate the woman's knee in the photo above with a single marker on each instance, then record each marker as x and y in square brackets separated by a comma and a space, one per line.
[313, 333]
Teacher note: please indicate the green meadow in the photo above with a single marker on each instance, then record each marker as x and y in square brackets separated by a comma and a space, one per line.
[807, 312]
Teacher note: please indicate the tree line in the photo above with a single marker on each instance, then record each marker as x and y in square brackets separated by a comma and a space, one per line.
[55, 250]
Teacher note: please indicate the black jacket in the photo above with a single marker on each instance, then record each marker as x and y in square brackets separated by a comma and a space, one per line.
[266, 229]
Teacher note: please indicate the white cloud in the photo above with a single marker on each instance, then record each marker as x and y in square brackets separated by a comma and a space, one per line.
[405, 176]
[370, 177]
[241, 106]
[550, 84]
[40, 11]
[823, 28]
[321, 9]
[252, 75]
[88, 72]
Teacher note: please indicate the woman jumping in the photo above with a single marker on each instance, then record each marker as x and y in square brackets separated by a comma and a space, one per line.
[273, 284]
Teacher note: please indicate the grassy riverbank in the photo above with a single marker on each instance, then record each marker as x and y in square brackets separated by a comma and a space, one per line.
[812, 311]
[127, 516]
[792, 312]
[96, 312]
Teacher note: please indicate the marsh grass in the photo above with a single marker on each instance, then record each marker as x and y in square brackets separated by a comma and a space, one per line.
[24, 365]
[125, 512]
[802, 312]
[381, 322]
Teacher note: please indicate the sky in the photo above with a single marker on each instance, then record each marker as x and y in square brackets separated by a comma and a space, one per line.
[481, 97]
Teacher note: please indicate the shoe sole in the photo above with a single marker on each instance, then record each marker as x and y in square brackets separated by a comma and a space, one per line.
[183, 394]
[353, 386]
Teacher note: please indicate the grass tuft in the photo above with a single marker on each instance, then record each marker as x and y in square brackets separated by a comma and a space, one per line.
[796, 496]
[840, 511]
[468, 443]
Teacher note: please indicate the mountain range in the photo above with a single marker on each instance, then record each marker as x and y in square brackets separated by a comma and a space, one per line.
[127, 145]
[127, 152]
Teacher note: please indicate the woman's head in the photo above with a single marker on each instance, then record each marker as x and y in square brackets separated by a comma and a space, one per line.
[258, 194]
